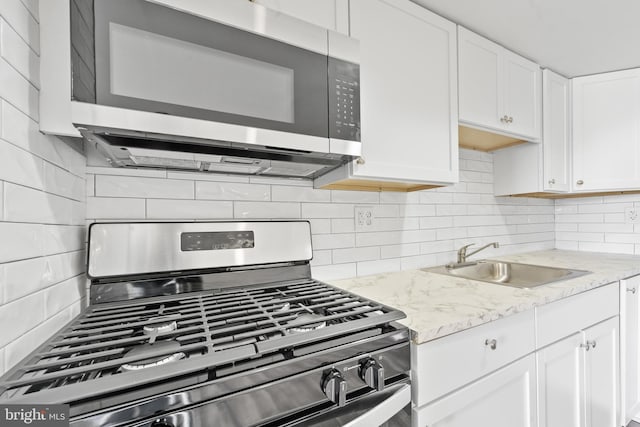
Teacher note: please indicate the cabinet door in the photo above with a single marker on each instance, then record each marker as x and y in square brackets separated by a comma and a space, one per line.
[555, 140]
[522, 81]
[606, 131]
[330, 14]
[602, 374]
[408, 92]
[629, 347]
[479, 77]
[560, 383]
[505, 398]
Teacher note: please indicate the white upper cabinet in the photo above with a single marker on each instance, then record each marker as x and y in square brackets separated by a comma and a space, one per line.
[330, 14]
[499, 90]
[606, 131]
[408, 66]
[556, 132]
[540, 168]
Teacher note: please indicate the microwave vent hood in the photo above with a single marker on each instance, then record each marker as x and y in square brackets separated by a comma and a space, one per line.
[131, 149]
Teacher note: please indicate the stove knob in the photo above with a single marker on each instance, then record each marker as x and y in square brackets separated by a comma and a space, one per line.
[372, 373]
[335, 387]
[161, 423]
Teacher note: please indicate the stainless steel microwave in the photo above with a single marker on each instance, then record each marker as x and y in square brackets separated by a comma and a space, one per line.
[208, 74]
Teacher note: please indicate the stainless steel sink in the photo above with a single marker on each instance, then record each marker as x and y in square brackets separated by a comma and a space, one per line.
[508, 273]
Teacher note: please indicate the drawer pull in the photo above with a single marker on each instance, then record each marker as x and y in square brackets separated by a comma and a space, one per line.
[493, 344]
[632, 290]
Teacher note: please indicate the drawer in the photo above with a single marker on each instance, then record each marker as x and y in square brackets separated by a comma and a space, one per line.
[445, 364]
[567, 316]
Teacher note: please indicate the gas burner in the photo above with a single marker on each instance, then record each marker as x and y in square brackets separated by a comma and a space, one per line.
[171, 355]
[307, 326]
[159, 326]
[285, 307]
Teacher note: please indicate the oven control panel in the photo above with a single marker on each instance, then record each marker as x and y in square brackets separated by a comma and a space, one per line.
[218, 240]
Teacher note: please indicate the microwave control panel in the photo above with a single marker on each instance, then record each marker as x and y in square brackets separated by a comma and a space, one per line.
[344, 100]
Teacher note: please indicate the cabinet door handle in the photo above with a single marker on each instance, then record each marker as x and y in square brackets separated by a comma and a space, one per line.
[510, 119]
[552, 181]
[504, 119]
[492, 344]
[360, 161]
[632, 290]
[586, 345]
[579, 182]
[593, 344]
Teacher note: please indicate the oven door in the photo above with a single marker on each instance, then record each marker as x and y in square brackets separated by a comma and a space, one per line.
[154, 58]
[389, 408]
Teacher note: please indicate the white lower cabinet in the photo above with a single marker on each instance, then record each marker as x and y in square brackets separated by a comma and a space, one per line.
[506, 398]
[630, 348]
[555, 366]
[578, 379]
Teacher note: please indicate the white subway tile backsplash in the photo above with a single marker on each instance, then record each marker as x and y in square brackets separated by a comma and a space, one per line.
[23, 204]
[266, 210]
[603, 207]
[366, 268]
[115, 208]
[16, 90]
[399, 251]
[232, 191]
[22, 278]
[334, 271]
[436, 246]
[333, 241]
[20, 241]
[436, 222]
[17, 53]
[17, 15]
[188, 209]
[62, 238]
[620, 248]
[354, 196]
[60, 296]
[20, 167]
[343, 225]
[400, 198]
[620, 238]
[394, 237]
[422, 261]
[321, 226]
[90, 185]
[321, 258]
[22, 314]
[32, 5]
[417, 210]
[282, 193]
[63, 183]
[140, 187]
[355, 254]
[28, 342]
[326, 210]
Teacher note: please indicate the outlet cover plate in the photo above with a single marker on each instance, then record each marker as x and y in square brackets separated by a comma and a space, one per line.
[632, 215]
[364, 218]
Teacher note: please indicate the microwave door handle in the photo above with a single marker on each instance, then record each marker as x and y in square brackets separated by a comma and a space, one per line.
[385, 410]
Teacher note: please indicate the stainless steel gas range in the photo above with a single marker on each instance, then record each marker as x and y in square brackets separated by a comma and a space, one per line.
[218, 324]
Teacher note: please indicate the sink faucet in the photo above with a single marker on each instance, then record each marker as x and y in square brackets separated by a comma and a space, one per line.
[462, 252]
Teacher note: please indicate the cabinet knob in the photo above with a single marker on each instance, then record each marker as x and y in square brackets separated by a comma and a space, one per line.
[579, 182]
[632, 290]
[586, 345]
[360, 160]
[504, 119]
[552, 181]
[492, 344]
[510, 119]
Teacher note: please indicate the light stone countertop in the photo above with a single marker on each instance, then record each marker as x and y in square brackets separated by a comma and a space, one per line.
[437, 305]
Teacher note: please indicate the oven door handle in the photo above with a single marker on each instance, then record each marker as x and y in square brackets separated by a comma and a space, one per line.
[385, 410]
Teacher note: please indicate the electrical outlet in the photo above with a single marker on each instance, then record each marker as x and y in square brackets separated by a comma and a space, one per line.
[364, 218]
[631, 215]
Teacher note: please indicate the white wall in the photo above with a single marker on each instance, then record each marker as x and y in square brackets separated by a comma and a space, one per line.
[42, 202]
[412, 230]
[597, 224]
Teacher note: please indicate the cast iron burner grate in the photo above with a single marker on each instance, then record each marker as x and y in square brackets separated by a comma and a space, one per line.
[186, 333]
